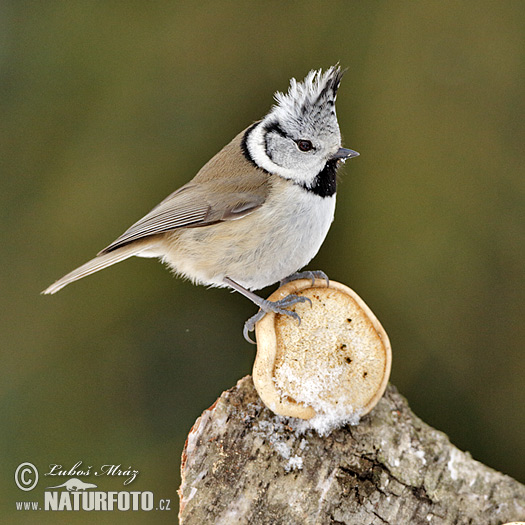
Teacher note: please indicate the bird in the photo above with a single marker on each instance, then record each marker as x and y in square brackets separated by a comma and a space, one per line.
[258, 211]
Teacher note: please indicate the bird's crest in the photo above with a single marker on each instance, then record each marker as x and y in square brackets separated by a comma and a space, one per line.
[318, 89]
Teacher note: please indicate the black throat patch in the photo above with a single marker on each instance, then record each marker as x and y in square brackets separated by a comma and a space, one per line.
[325, 183]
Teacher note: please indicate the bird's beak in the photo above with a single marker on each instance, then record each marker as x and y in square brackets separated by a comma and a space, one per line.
[344, 154]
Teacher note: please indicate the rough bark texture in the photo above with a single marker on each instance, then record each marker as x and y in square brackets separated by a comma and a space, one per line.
[242, 464]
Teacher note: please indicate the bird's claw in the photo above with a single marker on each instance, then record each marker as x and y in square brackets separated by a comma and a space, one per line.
[249, 326]
[308, 274]
[278, 307]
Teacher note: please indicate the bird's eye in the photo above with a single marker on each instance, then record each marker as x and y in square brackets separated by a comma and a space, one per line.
[304, 145]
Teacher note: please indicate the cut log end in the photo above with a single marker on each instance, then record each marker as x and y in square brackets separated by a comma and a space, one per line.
[244, 464]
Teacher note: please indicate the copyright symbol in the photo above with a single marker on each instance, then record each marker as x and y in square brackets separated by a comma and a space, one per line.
[26, 476]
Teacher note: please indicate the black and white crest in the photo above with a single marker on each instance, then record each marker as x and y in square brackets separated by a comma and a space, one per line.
[311, 101]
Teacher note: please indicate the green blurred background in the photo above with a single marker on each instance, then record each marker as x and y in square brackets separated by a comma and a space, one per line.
[106, 107]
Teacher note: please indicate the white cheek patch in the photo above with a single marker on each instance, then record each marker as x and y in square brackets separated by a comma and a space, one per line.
[257, 150]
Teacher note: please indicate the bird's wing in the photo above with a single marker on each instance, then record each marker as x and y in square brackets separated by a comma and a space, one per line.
[196, 205]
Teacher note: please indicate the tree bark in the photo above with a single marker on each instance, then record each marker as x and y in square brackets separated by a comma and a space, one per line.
[243, 464]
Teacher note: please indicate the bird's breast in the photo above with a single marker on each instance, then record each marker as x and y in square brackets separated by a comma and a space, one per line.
[260, 249]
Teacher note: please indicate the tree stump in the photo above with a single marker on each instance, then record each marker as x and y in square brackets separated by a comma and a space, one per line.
[243, 464]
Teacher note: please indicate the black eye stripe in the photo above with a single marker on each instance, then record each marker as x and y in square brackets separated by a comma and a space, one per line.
[302, 144]
[276, 128]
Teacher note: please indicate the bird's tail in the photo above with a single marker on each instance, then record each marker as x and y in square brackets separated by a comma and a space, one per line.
[98, 263]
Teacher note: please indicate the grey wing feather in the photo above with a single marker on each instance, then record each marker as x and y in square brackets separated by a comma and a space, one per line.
[188, 207]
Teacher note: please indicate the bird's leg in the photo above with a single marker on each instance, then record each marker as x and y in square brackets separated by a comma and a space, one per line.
[278, 307]
[308, 274]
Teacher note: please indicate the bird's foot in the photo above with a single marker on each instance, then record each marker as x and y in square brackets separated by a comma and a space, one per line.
[278, 307]
[308, 274]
